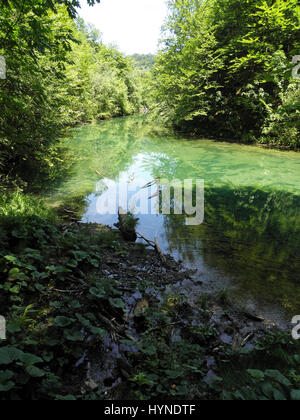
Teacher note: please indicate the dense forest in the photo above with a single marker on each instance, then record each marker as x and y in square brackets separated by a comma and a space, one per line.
[58, 74]
[226, 70]
[223, 71]
[144, 61]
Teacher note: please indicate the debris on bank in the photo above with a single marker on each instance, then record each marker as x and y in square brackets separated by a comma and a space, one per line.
[146, 281]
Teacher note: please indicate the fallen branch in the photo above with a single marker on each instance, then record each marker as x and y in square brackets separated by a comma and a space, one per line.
[99, 173]
[149, 242]
[253, 317]
[64, 291]
[110, 325]
[151, 183]
[159, 251]
[245, 341]
[131, 338]
[69, 211]
[155, 245]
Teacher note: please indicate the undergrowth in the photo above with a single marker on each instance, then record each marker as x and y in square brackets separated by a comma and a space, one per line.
[57, 307]
[50, 296]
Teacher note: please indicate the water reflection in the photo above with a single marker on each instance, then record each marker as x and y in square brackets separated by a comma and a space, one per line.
[250, 237]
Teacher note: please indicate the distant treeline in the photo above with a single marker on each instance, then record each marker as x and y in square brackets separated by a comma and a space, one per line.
[144, 61]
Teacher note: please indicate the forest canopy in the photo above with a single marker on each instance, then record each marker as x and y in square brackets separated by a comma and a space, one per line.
[144, 61]
[59, 74]
[77, 303]
[225, 69]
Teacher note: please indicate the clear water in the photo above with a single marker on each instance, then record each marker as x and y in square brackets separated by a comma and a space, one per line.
[249, 242]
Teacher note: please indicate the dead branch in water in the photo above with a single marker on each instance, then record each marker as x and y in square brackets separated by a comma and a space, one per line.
[151, 183]
[99, 173]
[155, 245]
[149, 242]
[159, 251]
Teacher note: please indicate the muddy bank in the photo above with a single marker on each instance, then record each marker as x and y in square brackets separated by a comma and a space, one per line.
[149, 285]
[92, 317]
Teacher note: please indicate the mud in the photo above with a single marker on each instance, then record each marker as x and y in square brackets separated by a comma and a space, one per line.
[144, 280]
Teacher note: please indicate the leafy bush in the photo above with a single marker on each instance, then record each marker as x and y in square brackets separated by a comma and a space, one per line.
[50, 305]
[225, 70]
[270, 372]
[282, 125]
[58, 74]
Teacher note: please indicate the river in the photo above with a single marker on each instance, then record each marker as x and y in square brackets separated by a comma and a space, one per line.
[249, 242]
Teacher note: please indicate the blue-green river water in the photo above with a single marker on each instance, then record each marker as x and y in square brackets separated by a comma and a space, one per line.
[249, 242]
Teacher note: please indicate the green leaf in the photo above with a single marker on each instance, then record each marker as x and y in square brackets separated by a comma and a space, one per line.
[5, 375]
[80, 255]
[117, 303]
[5, 383]
[98, 331]
[30, 359]
[73, 335]
[12, 327]
[9, 355]
[62, 321]
[94, 262]
[65, 398]
[256, 374]
[11, 258]
[268, 389]
[35, 372]
[15, 289]
[14, 273]
[99, 293]
[277, 376]
[39, 287]
[173, 374]
[295, 395]
[279, 396]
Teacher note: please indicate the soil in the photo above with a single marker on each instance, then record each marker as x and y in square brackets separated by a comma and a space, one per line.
[138, 266]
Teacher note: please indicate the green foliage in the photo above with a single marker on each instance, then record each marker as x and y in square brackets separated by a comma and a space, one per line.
[169, 368]
[30, 118]
[174, 366]
[144, 61]
[225, 70]
[282, 125]
[54, 300]
[58, 74]
[269, 372]
[100, 81]
[50, 296]
[130, 222]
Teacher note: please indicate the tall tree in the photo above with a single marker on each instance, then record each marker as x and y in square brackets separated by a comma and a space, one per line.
[225, 70]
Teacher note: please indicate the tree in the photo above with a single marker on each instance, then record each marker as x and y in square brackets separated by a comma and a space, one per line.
[224, 69]
[58, 74]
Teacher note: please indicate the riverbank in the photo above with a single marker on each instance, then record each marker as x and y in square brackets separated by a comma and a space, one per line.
[92, 317]
[258, 142]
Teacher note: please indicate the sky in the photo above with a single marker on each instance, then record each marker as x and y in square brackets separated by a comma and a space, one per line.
[132, 25]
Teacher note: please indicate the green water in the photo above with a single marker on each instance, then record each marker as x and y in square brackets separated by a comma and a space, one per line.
[249, 241]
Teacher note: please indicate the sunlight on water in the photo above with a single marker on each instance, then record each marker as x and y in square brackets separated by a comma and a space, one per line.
[250, 239]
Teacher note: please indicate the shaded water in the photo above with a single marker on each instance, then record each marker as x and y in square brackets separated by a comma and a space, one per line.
[249, 242]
